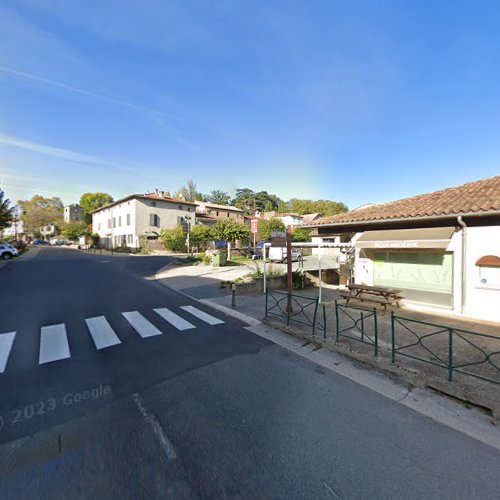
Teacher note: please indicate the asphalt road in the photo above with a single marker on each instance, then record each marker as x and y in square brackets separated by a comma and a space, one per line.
[211, 411]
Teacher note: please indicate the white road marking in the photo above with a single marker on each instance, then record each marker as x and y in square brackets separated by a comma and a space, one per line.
[102, 333]
[174, 319]
[6, 340]
[211, 320]
[53, 344]
[141, 325]
[156, 426]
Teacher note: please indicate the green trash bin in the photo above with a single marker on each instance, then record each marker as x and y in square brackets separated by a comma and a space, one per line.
[218, 259]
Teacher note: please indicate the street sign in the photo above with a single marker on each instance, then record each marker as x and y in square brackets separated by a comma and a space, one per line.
[254, 226]
[278, 239]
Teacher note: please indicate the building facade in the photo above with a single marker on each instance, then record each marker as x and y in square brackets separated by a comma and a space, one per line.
[73, 213]
[215, 211]
[288, 219]
[130, 220]
[441, 249]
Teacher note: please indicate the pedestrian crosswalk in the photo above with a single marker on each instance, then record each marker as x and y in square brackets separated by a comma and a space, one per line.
[54, 345]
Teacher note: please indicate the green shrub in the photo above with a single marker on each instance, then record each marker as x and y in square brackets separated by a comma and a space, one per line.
[174, 239]
[200, 236]
[266, 227]
[299, 279]
[301, 235]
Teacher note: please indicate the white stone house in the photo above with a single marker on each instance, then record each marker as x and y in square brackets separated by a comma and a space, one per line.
[442, 249]
[289, 219]
[128, 221]
[73, 213]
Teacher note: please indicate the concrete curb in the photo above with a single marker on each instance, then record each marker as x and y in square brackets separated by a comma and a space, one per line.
[471, 422]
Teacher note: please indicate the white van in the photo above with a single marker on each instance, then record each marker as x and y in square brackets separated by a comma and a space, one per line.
[278, 254]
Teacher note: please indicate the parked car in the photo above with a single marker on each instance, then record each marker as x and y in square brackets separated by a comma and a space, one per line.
[39, 242]
[278, 254]
[7, 251]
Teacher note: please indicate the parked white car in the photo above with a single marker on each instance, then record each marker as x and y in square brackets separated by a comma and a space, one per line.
[278, 254]
[7, 251]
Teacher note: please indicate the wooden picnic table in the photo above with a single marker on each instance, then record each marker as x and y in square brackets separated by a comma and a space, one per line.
[378, 294]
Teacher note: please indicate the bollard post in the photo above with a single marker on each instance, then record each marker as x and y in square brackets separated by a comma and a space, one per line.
[233, 292]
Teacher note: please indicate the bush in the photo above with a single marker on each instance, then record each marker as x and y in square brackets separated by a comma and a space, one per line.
[200, 236]
[73, 230]
[301, 235]
[266, 227]
[299, 279]
[95, 238]
[229, 230]
[174, 239]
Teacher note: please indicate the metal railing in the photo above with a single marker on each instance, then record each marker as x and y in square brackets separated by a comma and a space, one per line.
[296, 309]
[358, 327]
[453, 349]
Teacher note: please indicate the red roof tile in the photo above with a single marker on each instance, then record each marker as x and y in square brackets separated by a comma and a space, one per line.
[479, 196]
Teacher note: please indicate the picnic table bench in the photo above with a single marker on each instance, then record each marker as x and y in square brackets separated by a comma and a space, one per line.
[376, 294]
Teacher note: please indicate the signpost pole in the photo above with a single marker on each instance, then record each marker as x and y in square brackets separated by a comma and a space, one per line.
[319, 271]
[289, 266]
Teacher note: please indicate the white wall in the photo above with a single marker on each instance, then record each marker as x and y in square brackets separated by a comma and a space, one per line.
[140, 210]
[481, 303]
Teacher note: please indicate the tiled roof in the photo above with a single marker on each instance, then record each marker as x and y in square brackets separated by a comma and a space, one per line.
[219, 207]
[310, 217]
[148, 196]
[479, 196]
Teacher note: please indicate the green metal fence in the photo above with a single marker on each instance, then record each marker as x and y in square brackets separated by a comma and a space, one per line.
[456, 350]
[361, 322]
[305, 311]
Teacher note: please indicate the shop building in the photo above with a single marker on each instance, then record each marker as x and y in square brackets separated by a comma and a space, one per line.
[442, 249]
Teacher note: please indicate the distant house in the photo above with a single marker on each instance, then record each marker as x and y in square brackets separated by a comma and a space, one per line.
[442, 248]
[73, 213]
[217, 212]
[310, 218]
[205, 220]
[16, 229]
[289, 219]
[48, 231]
[136, 217]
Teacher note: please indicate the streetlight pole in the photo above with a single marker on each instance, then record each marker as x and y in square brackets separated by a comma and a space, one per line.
[187, 218]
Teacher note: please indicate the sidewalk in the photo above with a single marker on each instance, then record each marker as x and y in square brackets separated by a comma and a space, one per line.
[200, 281]
[204, 283]
[404, 386]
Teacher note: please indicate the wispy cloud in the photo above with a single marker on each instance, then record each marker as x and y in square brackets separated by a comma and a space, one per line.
[78, 90]
[62, 153]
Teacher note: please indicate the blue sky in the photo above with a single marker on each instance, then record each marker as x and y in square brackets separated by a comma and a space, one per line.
[356, 101]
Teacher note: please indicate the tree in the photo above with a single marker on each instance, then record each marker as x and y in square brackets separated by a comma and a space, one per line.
[200, 235]
[174, 239]
[189, 191]
[300, 235]
[6, 211]
[40, 211]
[74, 230]
[219, 197]
[230, 231]
[250, 201]
[92, 201]
[323, 207]
[266, 227]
